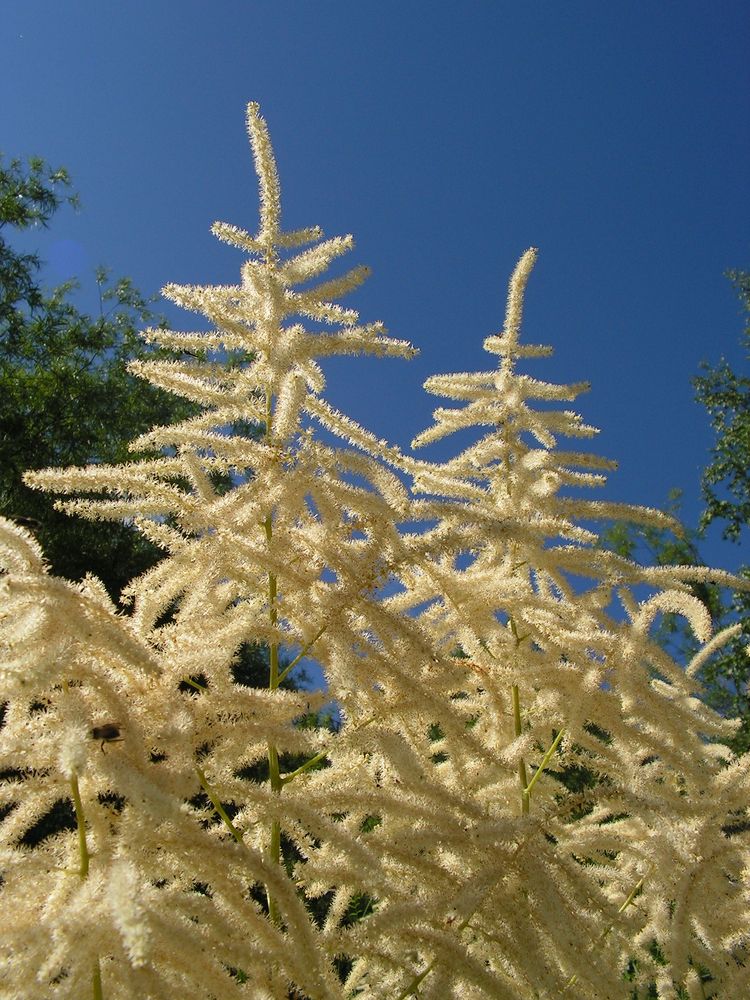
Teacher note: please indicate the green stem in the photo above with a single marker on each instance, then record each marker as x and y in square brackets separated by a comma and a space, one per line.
[633, 893]
[631, 896]
[291, 775]
[545, 760]
[414, 984]
[219, 808]
[305, 650]
[96, 981]
[83, 871]
[83, 851]
[286, 778]
[420, 977]
[521, 764]
[273, 649]
[274, 852]
[195, 684]
[514, 629]
[269, 416]
[517, 729]
[274, 773]
[274, 847]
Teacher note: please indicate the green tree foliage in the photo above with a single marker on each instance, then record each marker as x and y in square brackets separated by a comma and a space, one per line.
[65, 392]
[726, 492]
[726, 396]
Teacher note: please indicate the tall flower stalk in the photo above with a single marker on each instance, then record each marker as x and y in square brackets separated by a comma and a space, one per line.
[270, 536]
[559, 686]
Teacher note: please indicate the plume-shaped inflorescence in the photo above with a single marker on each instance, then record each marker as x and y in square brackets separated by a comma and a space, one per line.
[522, 795]
[588, 733]
[271, 537]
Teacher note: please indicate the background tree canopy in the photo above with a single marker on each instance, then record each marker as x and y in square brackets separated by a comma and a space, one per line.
[725, 486]
[66, 396]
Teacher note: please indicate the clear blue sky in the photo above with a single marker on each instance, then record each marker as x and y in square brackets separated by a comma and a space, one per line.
[447, 137]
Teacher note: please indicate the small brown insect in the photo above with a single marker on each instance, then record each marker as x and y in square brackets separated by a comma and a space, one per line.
[108, 732]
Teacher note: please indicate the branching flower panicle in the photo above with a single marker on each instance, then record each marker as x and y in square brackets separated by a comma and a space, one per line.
[522, 795]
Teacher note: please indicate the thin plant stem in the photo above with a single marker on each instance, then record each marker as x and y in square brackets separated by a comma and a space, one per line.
[195, 684]
[631, 896]
[218, 807]
[83, 851]
[303, 652]
[286, 778]
[96, 981]
[521, 764]
[274, 773]
[458, 927]
[416, 981]
[517, 729]
[83, 872]
[633, 893]
[545, 760]
[291, 775]
[420, 977]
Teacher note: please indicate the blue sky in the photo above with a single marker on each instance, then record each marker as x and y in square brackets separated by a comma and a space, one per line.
[447, 137]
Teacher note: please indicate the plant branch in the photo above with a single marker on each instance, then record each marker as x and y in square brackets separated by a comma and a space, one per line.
[543, 764]
[218, 807]
[305, 650]
[274, 773]
[96, 981]
[286, 778]
[83, 851]
[521, 765]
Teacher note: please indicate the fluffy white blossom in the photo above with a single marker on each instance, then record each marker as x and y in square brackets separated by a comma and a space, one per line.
[525, 795]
